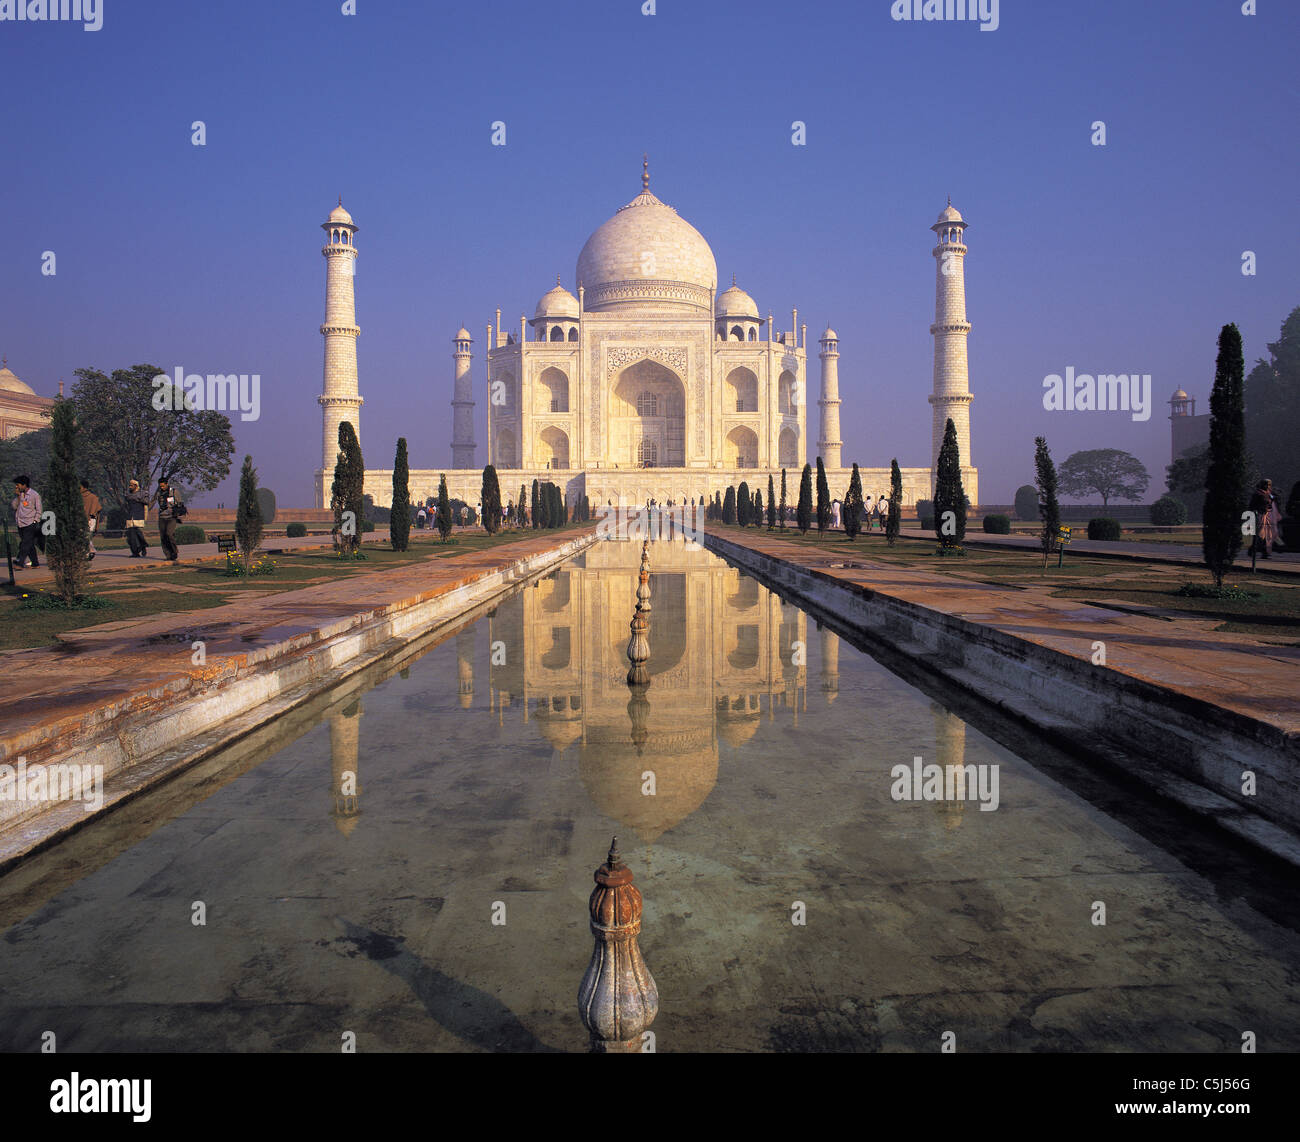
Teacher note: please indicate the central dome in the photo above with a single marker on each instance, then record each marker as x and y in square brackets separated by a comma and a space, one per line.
[647, 255]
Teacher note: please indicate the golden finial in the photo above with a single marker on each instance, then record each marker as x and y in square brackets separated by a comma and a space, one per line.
[557, 279]
[733, 279]
[340, 200]
[645, 172]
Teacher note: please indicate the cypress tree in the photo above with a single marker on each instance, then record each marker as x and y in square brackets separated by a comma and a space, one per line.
[894, 520]
[729, 506]
[782, 512]
[803, 511]
[1045, 479]
[248, 514]
[744, 504]
[771, 503]
[442, 513]
[823, 499]
[1221, 529]
[534, 505]
[399, 515]
[543, 505]
[949, 495]
[491, 495]
[717, 506]
[853, 505]
[758, 508]
[521, 509]
[67, 547]
[347, 496]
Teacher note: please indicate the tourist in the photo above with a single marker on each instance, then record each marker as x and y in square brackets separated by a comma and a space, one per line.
[1263, 503]
[866, 513]
[882, 510]
[835, 514]
[26, 505]
[170, 512]
[92, 507]
[421, 518]
[137, 511]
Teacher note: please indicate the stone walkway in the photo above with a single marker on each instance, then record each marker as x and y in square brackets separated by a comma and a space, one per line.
[61, 693]
[1232, 671]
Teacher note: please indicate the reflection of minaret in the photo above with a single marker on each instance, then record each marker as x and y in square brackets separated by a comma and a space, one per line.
[830, 664]
[345, 781]
[465, 665]
[949, 749]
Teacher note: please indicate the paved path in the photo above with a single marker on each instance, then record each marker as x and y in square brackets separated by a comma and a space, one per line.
[1232, 671]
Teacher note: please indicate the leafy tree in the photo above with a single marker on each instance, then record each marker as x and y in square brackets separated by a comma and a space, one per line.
[803, 512]
[442, 514]
[347, 498]
[399, 517]
[729, 506]
[1221, 526]
[823, 499]
[124, 435]
[771, 503]
[1026, 502]
[491, 495]
[949, 495]
[29, 452]
[67, 548]
[1049, 510]
[1108, 472]
[783, 502]
[744, 504]
[853, 505]
[1272, 412]
[1185, 478]
[248, 514]
[894, 520]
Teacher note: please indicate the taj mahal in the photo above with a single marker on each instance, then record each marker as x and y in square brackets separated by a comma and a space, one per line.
[649, 383]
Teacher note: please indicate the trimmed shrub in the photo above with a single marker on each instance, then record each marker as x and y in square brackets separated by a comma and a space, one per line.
[266, 501]
[998, 524]
[1103, 527]
[367, 525]
[296, 530]
[925, 513]
[1027, 503]
[189, 533]
[1168, 512]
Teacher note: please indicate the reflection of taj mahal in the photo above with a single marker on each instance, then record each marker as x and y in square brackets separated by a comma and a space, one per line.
[722, 659]
[649, 382]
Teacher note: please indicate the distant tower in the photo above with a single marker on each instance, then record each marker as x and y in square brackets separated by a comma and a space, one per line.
[462, 431]
[829, 445]
[951, 396]
[341, 400]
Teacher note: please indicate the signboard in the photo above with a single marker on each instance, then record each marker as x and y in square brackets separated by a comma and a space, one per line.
[225, 542]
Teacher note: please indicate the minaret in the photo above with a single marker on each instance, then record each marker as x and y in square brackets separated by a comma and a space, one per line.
[828, 447]
[340, 400]
[951, 396]
[462, 404]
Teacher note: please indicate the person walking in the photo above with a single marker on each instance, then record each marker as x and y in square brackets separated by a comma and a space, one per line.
[882, 510]
[421, 518]
[137, 511]
[26, 505]
[1263, 503]
[170, 512]
[92, 507]
[866, 513]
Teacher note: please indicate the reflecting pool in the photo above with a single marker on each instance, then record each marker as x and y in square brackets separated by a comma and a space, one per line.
[409, 859]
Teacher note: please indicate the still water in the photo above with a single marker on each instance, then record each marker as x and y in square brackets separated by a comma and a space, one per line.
[753, 787]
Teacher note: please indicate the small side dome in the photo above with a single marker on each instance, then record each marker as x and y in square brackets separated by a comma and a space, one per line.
[830, 335]
[463, 335]
[1180, 395]
[558, 304]
[950, 214]
[11, 384]
[338, 214]
[735, 302]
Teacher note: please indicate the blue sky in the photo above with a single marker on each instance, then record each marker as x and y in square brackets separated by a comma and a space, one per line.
[1122, 258]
